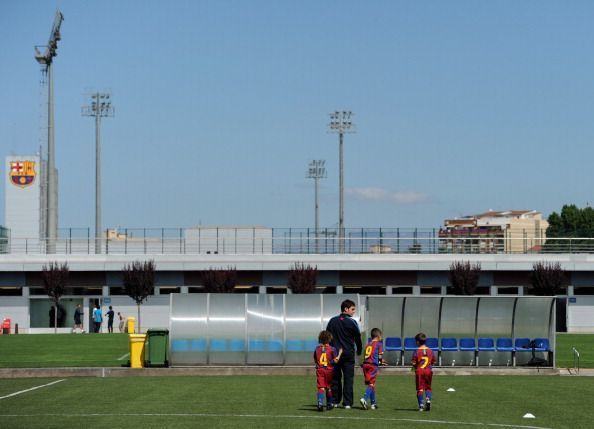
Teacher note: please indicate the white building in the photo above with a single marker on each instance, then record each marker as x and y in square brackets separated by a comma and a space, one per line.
[24, 202]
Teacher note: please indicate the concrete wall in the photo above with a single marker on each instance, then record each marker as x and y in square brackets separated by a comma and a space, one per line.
[17, 310]
[580, 314]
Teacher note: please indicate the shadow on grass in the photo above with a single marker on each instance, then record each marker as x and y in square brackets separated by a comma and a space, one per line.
[412, 410]
[313, 408]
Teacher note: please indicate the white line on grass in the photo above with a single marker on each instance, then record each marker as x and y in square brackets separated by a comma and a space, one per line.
[33, 388]
[124, 357]
[259, 416]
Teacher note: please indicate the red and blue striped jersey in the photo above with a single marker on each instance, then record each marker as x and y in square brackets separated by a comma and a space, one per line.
[423, 358]
[324, 356]
[373, 353]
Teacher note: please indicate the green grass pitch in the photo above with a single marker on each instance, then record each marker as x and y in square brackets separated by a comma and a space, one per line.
[272, 401]
[289, 402]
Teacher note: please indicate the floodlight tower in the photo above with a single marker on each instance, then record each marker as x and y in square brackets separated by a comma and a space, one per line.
[340, 122]
[317, 171]
[46, 59]
[100, 106]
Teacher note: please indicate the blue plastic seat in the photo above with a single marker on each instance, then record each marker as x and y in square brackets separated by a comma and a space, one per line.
[310, 345]
[522, 345]
[410, 344]
[449, 345]
[257, 345]
[432, 343]
[486, 345]
[218, 345]
[198, 345]
[504, 345]
[180, 346]
[393, 344]
[275, 346]
[467, 345]
[542, 345]
[295, 346]
[237, 345]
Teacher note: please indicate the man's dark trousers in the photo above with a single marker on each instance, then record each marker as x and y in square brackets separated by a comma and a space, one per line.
[344, 369]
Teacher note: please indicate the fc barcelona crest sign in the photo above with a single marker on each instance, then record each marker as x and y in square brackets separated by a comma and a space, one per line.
[22, 173]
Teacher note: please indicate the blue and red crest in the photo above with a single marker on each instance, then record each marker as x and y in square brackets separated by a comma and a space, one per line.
[22, 173]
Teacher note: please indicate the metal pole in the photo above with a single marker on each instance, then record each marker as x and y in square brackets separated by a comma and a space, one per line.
[52, 215]
[98, 178]
[341, 195]
[100, 105]
[316, 171]
[317, 220]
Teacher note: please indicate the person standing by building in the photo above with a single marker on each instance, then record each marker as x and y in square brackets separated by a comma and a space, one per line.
[121, 327]
[97, 318]
[346, 336]
[78, 318]
[110, 315]
[52, 317]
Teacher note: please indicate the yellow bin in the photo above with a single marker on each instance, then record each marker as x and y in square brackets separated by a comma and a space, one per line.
[136, 342]
[131, 323]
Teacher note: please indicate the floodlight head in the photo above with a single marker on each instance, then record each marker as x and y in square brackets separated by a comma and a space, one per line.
[316, 169]
[52, 45]
[99, 105]
[340, 121]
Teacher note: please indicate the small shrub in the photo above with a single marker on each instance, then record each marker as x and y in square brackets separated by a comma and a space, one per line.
[219, 280]
[302, 278]
[55, 279]
[547, 278]
[464, 277]
[139, 282]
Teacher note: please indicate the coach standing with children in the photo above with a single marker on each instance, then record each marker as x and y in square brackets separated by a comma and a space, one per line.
[346, 336]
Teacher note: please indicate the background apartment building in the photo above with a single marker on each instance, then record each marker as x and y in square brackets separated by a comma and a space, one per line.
[512, 231]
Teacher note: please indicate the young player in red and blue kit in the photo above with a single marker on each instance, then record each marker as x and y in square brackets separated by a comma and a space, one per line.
[325, 356]
[422, 361]
[371, 363]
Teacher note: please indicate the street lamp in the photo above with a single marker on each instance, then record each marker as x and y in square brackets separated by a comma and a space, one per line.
[340, 122]
[100, 106]
[46, 59]
[316, 171]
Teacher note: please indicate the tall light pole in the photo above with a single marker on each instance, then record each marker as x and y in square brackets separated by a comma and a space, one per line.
[46, 59]
[317, 171]
[340, 122]
[100, 106]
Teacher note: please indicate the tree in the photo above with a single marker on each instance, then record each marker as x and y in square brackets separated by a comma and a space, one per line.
[572, 222]
[139, 282]
[55, 279]
[302, 278]
[464, 277]
[547, 278]
[219, 280]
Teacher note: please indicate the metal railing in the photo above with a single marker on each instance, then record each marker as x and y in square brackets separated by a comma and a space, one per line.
[259, 240]
[576, 361]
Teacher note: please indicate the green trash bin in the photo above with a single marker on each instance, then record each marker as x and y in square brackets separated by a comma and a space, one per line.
[155, 348]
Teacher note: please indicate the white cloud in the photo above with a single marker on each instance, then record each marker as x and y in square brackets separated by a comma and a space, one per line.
[379, 194]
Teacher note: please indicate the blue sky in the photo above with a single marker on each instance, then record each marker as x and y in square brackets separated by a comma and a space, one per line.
[460, 107]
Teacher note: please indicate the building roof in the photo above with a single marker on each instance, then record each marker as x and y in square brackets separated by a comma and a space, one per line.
[468, 220]
[506, 213]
